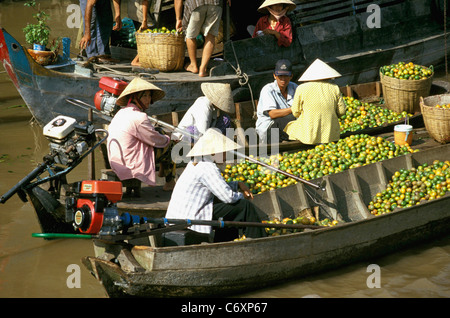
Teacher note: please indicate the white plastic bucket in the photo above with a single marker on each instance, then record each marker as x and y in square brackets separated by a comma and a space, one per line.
[403, 134]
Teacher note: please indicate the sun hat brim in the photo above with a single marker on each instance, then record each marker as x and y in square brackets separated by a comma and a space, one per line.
[263, 8]
[212, 142]
[139, 85]
[319, 70]
[219, 95]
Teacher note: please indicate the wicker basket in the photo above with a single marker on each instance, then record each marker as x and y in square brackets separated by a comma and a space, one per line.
[403, 95]
[437, 120]
[163, 51]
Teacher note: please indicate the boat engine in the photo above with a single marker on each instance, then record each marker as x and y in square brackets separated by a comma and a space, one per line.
[69, 139]
[91, 206]
[105, 99]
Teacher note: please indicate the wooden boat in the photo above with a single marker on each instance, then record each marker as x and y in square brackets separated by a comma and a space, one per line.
[229, 268]
[128, 263]
[335, 31]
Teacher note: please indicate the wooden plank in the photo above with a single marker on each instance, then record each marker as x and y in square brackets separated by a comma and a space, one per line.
[326, 10]
[330, 11]
[329, 8]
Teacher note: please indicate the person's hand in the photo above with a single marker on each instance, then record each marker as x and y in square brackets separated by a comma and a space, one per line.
[179, 25]
[269, 31]
[118, 24]
[85, 41]
[144, 26]
[245, 190]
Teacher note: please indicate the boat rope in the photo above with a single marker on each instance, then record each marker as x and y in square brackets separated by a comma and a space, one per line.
[445, 39]
[243, 78]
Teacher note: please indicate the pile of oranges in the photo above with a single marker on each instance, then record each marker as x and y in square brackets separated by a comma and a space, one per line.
[160, 30]
[360, 115]
[407, 71]
[410, 187]
[347, 153]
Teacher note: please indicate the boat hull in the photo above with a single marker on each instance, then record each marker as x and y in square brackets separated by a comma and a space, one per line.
[230, 268]
[264, 262]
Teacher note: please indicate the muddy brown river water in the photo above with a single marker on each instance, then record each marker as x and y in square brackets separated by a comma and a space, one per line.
[32, 267]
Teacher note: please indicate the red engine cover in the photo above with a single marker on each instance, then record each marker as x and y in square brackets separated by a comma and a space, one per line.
[98, 99]
[96, 220]
[112, 85]
[111, 189]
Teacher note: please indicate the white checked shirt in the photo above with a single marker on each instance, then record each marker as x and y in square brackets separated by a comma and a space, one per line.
[194, 193]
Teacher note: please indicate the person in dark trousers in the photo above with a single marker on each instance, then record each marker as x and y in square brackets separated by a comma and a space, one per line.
[98, 24]
[201, 183]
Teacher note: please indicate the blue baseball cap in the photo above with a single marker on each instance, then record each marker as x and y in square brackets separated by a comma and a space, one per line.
[283, 67]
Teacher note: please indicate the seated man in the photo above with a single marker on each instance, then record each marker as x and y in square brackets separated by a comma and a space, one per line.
[274, 105]
[201, 182]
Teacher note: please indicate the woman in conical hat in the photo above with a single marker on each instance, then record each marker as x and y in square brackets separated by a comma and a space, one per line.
[210, 110]
[134, 145]
[319, 70]
[276, 23]
[135, 89]
[201, 182]
[317, 105]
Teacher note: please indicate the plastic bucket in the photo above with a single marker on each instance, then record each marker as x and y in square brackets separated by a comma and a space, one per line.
[403, 134]
[38, 47]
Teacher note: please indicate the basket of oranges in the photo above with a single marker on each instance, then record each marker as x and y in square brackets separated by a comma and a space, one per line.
[436, 116]
[403, 84]
[161, 48]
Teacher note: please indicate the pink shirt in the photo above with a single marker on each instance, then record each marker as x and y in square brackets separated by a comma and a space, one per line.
[283, 26]
[130, 145]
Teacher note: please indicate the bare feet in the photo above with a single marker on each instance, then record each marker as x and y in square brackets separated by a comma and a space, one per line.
[168, 186]
[191, 68]
[135, 61]
[203, 70]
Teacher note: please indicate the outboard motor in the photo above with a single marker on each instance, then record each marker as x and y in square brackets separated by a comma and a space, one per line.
[105, 99]
[69, 139]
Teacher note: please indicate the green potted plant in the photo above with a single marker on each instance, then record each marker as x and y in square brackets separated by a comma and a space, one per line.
[39, 32]
[38, 35]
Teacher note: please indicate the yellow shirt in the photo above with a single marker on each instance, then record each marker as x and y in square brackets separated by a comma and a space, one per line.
[317, 107]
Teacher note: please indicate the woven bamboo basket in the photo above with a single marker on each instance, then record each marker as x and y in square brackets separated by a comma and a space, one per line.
[163, 51]
[403, 95]
[437, 120]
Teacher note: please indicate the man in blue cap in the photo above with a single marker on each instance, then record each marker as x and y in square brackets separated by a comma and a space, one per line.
[274, 105]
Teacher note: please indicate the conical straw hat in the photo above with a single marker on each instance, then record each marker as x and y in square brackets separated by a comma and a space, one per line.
[263, 8]
[138, 85]
[319, 70]
[220, 95]
[212, 142]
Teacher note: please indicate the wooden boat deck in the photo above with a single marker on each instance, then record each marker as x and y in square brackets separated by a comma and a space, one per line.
[125, 70]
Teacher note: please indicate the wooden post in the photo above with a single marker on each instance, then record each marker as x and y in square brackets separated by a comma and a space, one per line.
[91, 157]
